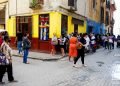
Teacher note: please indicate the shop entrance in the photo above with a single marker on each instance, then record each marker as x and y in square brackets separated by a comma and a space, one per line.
[44, 40]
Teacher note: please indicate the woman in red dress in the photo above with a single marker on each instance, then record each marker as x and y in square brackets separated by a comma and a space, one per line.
[72, 47]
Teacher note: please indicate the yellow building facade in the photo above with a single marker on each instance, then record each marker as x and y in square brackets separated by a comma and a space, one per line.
[41, 25]
[54, 26]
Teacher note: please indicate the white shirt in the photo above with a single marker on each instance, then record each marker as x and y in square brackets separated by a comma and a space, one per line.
[6, 50]
[93, 40]
[87, 41]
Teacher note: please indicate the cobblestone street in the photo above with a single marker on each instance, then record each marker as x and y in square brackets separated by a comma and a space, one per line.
[103, 69]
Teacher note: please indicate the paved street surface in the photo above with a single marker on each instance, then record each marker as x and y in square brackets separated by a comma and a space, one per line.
[103, 69]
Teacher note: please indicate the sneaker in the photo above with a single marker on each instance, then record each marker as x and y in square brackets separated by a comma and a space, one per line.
[2, 83]
[84, 65]
[13, 81]
[27, 63]
[75, 66]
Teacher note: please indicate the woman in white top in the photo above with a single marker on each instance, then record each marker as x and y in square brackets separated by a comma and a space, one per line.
[62, 41]
[54, 42]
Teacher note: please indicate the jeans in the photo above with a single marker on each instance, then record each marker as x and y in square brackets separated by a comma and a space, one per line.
[109, 46]
[106, 44]
[25, 56]
[19, 46]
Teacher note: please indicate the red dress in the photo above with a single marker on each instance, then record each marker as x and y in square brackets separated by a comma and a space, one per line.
[72, 47]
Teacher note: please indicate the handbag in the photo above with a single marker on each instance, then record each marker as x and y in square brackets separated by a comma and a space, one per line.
[55, 42]
[79, 46]
[3, 59]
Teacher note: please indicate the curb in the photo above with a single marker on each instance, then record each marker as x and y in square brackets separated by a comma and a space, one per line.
[51, 59]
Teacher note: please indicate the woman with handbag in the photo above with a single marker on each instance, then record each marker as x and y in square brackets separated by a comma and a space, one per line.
[7, 51]
[26, 47]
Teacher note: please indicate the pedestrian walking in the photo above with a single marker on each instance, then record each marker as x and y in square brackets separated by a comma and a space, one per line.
[80, 50]
[110, 42]
[93, 43]
[113, 38]
[105, 39]
[72, 47]
[54, 43]
[26, 47]
[7, 51]
[19, 39]
[87, 45]
[62, 42]
[118, 41]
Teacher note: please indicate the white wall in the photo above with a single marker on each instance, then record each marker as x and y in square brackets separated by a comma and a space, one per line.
[22, 6]
[82, 6]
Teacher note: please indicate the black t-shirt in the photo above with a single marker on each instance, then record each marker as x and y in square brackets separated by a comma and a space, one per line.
[83, 41]
[19, 37]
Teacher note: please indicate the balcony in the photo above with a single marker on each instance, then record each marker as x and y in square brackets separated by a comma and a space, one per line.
[36, 4]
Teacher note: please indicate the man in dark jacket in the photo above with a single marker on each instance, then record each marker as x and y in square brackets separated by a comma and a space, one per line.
[26, 47]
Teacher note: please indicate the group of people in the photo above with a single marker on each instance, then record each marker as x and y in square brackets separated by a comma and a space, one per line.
[74, 44]
[108, 41]
[88, 42]
[23, 45]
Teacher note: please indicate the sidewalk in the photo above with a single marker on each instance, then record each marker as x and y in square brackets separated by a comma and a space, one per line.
[39, 56]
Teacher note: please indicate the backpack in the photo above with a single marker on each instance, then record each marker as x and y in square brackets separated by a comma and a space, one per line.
[26, 44]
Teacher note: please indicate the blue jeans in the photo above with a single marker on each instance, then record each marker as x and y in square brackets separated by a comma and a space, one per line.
[109, 46]
[25, 56]
[19, 46]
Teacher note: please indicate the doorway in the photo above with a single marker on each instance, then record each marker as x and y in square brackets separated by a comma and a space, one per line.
[76, 28]
[24, 24]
